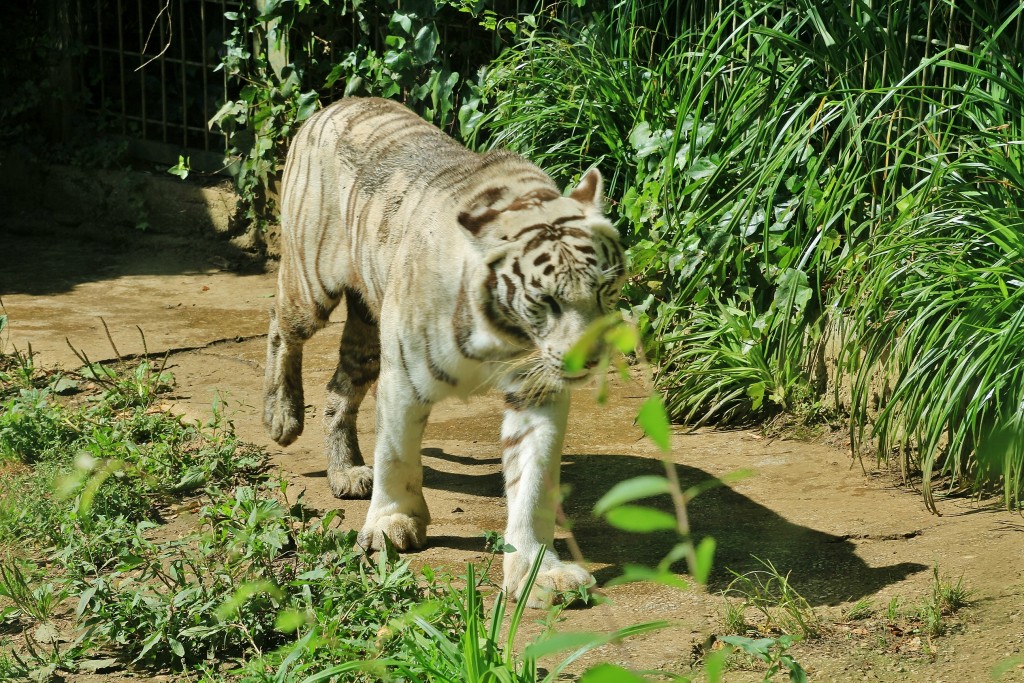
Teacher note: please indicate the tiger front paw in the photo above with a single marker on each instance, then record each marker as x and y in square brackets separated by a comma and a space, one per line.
[405, 532]
[351, 482]
[553, 580]
[282, 416]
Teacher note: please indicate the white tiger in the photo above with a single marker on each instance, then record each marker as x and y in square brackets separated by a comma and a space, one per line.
[460, 272]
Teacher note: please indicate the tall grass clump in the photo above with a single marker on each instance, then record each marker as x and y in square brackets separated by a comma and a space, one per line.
[937, 298]
[776, 167]
[723, 154]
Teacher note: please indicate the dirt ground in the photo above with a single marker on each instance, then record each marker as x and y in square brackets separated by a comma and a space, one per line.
[844, 534]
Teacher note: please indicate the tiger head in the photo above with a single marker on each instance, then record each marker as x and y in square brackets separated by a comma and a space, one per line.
[552, 266]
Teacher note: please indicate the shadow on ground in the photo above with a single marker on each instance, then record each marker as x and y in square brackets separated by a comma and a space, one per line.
[823, 567]
[63, 226]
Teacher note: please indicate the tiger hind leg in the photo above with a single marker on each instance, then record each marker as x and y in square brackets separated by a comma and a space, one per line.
[358, 368]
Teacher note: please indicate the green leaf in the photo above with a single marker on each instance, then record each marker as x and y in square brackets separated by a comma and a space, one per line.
[647, 141]
[181, 169]
[230, 607]
[625, 338]
[792, 292]
[575, 359]
[289, 620]
[756, 647]
[640, 519]
[559, 642]
[610, 673]
[95, 479]
[404, 21]
[714, 665]
[97, 371]
[306, 105]
[756, 393]
[796, 672]
[629, 490]
[704, 556]
[176, 647]
[425, 44]
[64, 385]
[700, 169]
[653, 419]
[353, 665]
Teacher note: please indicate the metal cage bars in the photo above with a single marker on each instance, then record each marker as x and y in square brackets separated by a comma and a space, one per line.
[148, 70]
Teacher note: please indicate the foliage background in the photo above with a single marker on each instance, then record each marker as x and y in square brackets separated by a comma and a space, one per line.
[815, 194]
[787, 175]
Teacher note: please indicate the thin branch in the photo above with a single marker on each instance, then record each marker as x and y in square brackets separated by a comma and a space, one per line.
[145, 353]
[682, 518]
[110, 339]
[89, 364]
[170, 36]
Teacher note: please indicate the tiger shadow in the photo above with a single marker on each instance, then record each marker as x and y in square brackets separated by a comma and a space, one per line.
[823, 567]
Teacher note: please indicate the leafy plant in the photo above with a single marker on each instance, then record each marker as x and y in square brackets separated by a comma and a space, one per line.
[862, 609]
[946, 599]
[482, 648]
[771, 651]
[261, 570]
[608, 339]
[617, 508]
[104, 465]
[771, 594]
[38, 603]
[182, 168]
[714, 217]
[775, 175]
[31, 427]
[735, 618]
[12, 667]
[288, 58]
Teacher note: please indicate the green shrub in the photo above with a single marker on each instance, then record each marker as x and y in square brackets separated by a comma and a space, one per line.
[773, 173]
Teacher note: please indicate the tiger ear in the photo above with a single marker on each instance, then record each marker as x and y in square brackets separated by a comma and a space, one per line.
[589, 190]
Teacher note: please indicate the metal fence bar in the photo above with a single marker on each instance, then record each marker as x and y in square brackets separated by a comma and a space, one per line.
[120, 71]
[205, 68]
[133, 53]
[184, 75]
[142, 76]
[103, 79]
[163, 75]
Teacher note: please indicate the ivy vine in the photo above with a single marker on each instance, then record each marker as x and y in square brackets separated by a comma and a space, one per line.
[289, 57]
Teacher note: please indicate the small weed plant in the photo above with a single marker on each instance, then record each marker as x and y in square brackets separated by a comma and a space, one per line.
[782, 608]
[946, 599]
[37, 602]
[862, 609]
[910, 626]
